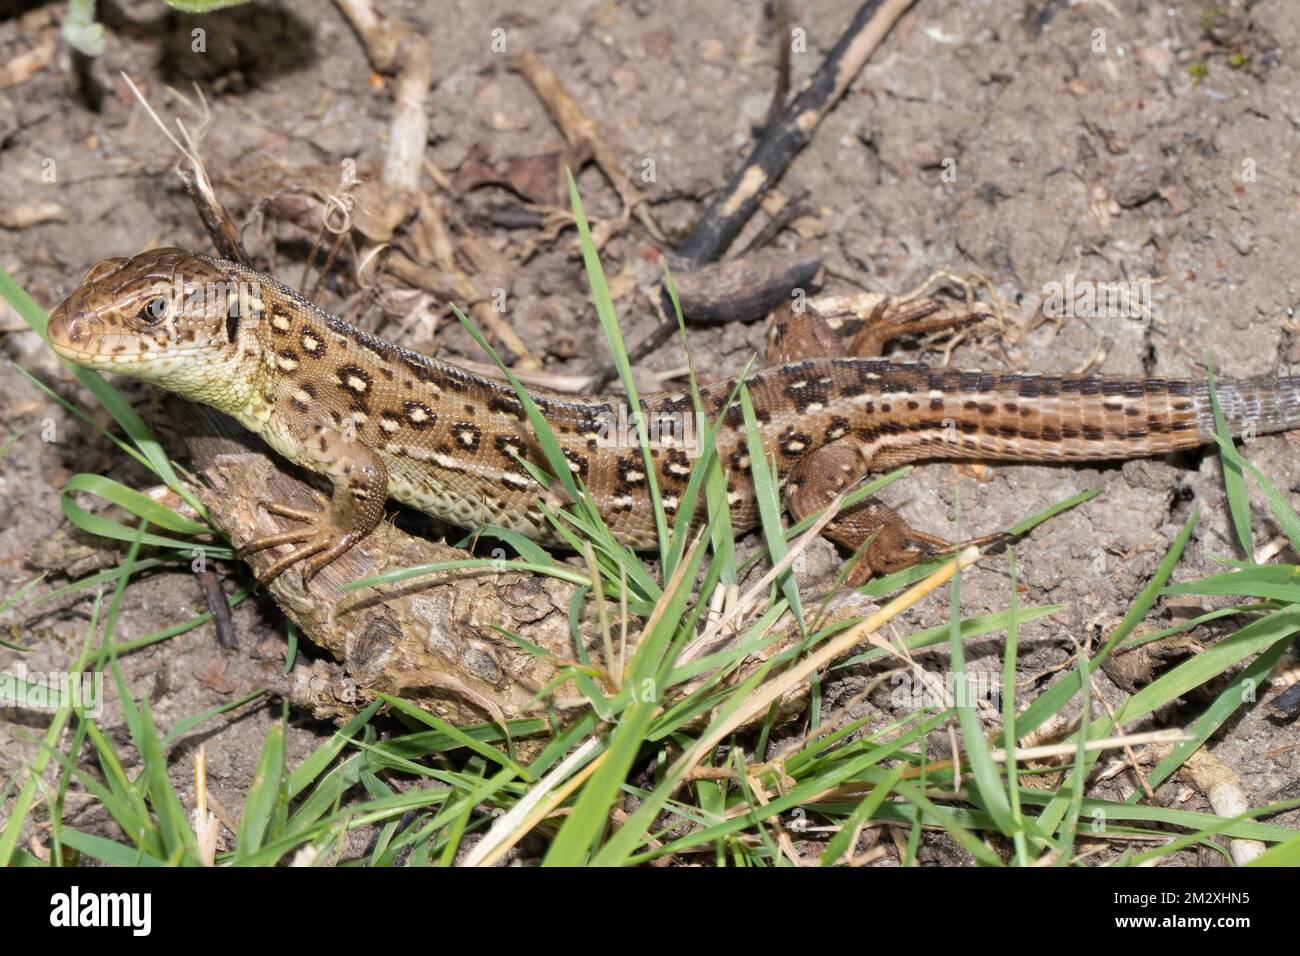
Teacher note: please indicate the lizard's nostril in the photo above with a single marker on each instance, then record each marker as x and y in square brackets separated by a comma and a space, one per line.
[79, 326]
[73, 326]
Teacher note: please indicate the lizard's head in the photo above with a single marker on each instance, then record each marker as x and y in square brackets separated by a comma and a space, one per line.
[165, 316]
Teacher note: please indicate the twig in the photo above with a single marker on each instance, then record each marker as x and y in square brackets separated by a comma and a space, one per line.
[584, 133]
[409, 131]
[380, 39]
[792, 130]
[781, 30]
[450, 282]
[220, 608]
[790, 210]
[215, 219]
[1287, 703]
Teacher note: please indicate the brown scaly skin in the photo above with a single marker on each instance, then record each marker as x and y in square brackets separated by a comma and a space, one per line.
[380, 421]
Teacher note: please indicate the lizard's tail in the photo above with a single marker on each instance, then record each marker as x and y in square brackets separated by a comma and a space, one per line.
[1070, 417]
[1250, 405]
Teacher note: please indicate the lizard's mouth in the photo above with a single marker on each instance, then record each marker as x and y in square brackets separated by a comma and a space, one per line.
[83, 337]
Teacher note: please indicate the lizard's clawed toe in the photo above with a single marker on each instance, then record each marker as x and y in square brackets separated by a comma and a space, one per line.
[319, 542]
[321, 545]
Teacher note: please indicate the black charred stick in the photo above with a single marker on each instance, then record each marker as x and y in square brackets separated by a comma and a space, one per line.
[790, 132]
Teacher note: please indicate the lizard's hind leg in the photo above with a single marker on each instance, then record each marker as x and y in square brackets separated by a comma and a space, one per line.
[803, 334]
[891, 543]
[894, 544]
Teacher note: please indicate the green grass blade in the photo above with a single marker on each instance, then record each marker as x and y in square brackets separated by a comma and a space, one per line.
[456, 734]
[988, 780]
[1277, 582]
[768, 496]
[1234, 480]
[971, 627]
[185, 725]
[618, 350]
[26, 794]
[315, 763]
[1214, 660]
[1028, 524]
[107, 528]
[140, 505]
[108, 851]
[173, 822]
[1285, 514]
[839, 844]
[1009, 714]
[1078, 777]
[13, 599]
[265, 792]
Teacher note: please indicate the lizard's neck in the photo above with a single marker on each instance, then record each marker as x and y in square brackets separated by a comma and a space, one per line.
[234, 379]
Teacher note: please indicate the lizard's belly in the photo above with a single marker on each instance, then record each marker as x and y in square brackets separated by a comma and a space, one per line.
[470, 500]
[465, 500]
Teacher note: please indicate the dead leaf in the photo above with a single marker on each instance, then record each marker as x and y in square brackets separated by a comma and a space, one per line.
[24, 66]
[536, 178]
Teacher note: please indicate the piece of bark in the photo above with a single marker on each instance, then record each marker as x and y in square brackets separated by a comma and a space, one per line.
[1287, 703]
[216, 221]
[744, 289]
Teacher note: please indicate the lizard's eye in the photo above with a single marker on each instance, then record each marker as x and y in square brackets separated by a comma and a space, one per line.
[154, 310]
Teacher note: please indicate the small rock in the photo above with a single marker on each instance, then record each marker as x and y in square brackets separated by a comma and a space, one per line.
[31, 213]
[1243, 240]
[1137, 184]
[712, 50]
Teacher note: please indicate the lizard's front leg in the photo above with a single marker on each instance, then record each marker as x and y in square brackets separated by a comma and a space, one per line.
[360, 485]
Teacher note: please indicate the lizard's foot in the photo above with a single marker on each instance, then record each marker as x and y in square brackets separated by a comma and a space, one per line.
[896, 545]
[360, 485]
[320, 542]
[880, 537]
[794, 336]
[907, 546]
[885, 325]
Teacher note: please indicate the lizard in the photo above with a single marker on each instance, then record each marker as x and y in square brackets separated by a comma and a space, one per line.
[380, 421]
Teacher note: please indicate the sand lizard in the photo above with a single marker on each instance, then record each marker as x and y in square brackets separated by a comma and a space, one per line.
[380, 421]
